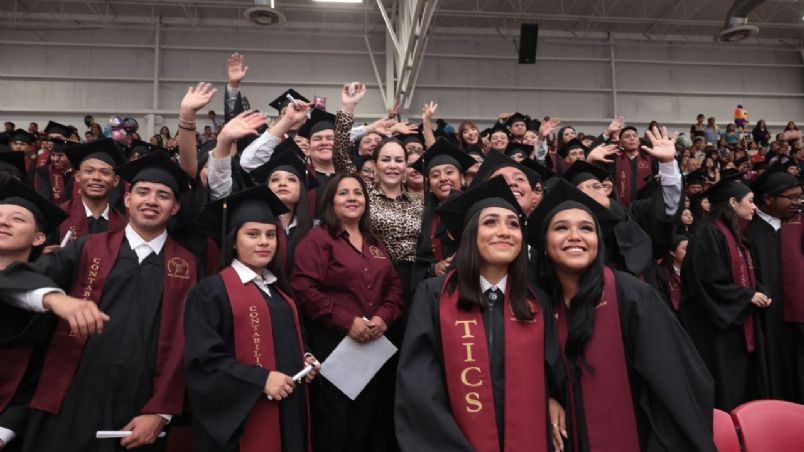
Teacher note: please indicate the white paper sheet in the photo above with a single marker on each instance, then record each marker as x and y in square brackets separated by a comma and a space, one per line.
[352, 365]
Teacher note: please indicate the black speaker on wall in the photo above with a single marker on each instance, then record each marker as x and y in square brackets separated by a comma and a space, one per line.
[528, 35]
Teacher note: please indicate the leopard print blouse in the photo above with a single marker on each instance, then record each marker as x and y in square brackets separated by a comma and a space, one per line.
[396, 221]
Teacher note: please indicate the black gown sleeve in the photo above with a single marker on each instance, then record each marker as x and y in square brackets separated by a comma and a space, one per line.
[61, 265]
[222, 391]
[707, 281]
[423, 415]
[671, 386]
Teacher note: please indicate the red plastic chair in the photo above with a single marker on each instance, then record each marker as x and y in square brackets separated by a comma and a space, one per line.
[726, 438]
[770, 426]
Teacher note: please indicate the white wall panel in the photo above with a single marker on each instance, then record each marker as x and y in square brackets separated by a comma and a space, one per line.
[50, 73]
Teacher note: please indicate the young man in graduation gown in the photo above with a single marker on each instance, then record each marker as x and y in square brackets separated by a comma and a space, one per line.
[779, 266]
[55, 181]
[25, 219]
[22, 141]
[632, 168]
[130, 378]
[90, 211]
[643, 230]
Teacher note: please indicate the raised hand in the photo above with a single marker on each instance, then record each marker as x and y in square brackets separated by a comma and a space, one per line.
[296, 111]
[236, 69]
[393, 111]
[382, 126]
[350, 98]
[602, 152]
[548, 127]
[404, 128]
[663, 146]
[242, 125]
[429, 110]
[198, 97]
[615, 126]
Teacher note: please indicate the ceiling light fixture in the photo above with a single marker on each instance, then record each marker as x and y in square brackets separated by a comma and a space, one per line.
[338, 1]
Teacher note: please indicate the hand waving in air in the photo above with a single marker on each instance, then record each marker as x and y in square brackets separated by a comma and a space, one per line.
[198, 96]
[663, 146]
[236, 69]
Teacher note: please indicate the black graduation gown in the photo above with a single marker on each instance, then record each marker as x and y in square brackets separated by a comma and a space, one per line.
[713, 310]
[21, 328]
[423, 415]
[222, 390]
[671, 389]
[765, 247]
[114, 378]
[657, 278]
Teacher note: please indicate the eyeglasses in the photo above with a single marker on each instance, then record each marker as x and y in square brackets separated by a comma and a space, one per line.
[792, 198]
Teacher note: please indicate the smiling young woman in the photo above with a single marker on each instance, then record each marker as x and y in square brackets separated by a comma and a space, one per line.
[611, 328]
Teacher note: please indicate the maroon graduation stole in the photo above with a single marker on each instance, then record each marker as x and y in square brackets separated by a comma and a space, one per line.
[56, 178]
[77, 222]
[607, 402]
[560, 165]
[61, 361]
[673, 285]
[15, 362]
[742, 274]
[435, 243]
[468, 376]
[42, 159]
[791, 236]
[623, 175]
[254, 345]
[282, 245]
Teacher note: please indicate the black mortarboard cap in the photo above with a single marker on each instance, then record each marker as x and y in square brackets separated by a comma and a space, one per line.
[574, 143]
[286, 160]
[282, 101]
[319, 120]
[521, 148]
[60, 145]
[105, 150]
[48, 215]
[774, 181]
[155, 167]
[54, 127]
[563, 195]
[22, 135]
[695, 178]
[440, 153]
[517, 117]
[474, 149]
[496, 160]
[543, 171]
[727, 187]
[411, 137]
[13, 161]
[456, 210]
[499, 127]
[581, 171]
[258, 204]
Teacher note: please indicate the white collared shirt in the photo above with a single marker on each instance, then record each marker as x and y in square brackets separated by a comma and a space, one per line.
[775, 223]
[104, 214]
[486, 285]
[143, 248]
[248, 275]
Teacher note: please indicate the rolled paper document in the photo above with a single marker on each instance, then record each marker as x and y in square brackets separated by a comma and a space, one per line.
[303, 373]
[67, 238]
[106, 434]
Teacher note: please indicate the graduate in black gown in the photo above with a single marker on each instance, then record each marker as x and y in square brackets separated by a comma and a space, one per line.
[130, 377]
[472, 376]
[226, 383]
[288, 177]
[665, 276]
[442, 166]
[778, 198]
[634, 380]
[721, 302]
[25, 219]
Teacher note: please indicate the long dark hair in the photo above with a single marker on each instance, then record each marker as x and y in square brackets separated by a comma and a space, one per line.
[467, 274]
[581, 318]
[725, 212]
[275, 266]
[330, 220]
